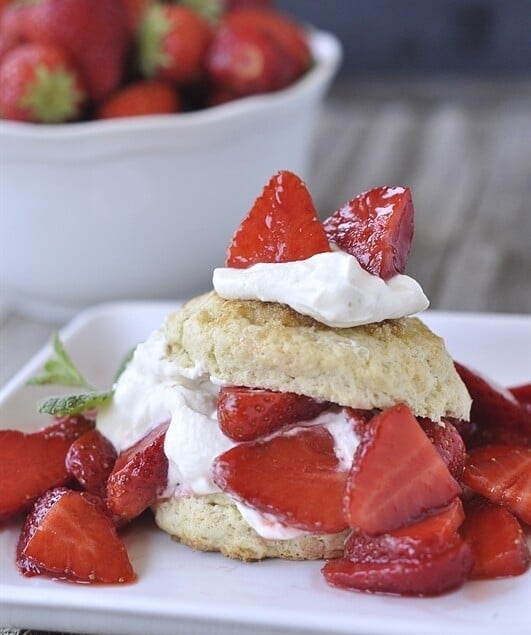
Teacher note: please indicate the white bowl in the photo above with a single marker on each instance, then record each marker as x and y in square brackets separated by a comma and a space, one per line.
[144, 207]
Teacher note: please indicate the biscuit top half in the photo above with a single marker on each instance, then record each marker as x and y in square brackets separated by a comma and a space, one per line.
[268, 345]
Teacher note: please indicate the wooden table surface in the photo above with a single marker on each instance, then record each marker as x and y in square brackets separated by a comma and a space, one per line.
[464, 148]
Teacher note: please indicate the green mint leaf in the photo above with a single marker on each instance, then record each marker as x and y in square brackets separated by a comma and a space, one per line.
[75, 404]
[60, 369]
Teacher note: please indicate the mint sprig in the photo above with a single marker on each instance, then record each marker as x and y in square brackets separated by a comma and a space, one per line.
[61, 370]
[75, 404]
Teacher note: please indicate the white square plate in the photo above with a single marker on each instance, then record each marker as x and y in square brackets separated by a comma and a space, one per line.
[183, 591]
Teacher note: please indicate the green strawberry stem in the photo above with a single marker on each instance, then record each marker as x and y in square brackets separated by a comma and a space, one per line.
[153, 29]
[52, 96]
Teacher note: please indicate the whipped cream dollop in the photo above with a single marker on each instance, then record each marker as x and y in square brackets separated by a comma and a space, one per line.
[331, 287]
[154, 389]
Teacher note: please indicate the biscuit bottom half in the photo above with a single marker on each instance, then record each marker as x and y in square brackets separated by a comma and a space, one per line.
[213, 523]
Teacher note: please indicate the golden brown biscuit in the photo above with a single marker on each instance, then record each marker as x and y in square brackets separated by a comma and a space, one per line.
[268, 345]
[213, 523]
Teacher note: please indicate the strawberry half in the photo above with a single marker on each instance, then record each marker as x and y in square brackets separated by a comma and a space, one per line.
[33, 463]
[90, 460]
[502, 474]
[245, 414]
[426, 558]
[499, 416]
[296, 477]
[377, 228]
[282, 226]
[139, 476]
[397, 476]
[497, 541]
[69, 536]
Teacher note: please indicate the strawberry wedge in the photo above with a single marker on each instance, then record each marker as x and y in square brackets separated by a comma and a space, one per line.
[377, 228]
[397, 477]
[69, 536]
[282, 226]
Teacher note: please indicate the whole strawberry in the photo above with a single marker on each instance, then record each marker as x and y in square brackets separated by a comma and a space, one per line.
[243, 61]
[39, 85]
[172, 43]
[141, 98]
[257, 50]
[92, 32]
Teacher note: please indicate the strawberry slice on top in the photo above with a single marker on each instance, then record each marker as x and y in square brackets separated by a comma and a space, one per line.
[377, 228]
[282, 226]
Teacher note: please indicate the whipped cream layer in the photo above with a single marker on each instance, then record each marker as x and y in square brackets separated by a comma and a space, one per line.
[154, 389]
[331, 287]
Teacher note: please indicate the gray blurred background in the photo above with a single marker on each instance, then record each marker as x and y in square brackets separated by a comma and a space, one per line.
[458, 37]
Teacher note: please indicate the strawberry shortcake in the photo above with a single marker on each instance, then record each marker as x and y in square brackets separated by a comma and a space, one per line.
[264, 388]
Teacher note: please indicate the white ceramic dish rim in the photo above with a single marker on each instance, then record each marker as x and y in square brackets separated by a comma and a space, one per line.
[327, 52]
[473, 610]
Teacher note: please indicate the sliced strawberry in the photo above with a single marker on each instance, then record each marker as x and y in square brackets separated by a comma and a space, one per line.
[444, 571]
[497, 413]
[139, 476]
[294, 476]
[244, 414]
[90, 460]
[397, 476]
[497, 541]
[32, 463]
[419, 540]
[502, 473]
[282, 226]
[377, 228]
[69, 536]
[449, 444]
[400, 561]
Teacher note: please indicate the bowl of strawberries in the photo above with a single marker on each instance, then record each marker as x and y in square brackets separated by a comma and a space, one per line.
[135, 134]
